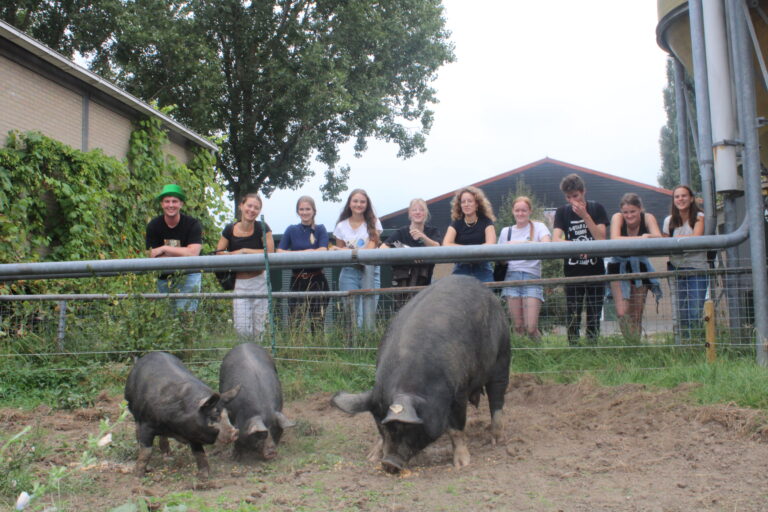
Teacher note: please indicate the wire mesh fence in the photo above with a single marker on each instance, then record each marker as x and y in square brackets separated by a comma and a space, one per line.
[323, 328]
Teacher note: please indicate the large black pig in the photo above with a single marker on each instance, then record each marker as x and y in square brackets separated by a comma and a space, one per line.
[166, 400]
[442, 350]
[256, 411]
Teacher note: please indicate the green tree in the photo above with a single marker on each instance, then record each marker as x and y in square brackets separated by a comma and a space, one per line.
[284, 81]
[669, 176]
[67, 26]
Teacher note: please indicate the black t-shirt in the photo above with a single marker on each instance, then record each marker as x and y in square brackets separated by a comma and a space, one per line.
[403, 235]
[471, 235]
[575, 229]
[255, 241]
[187, 232]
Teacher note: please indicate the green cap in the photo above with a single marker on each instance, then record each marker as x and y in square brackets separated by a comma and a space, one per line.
[172, 190]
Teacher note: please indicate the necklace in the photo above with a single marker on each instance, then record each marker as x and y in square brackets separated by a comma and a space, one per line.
[244, 228]
[470, 224]
[308, 228]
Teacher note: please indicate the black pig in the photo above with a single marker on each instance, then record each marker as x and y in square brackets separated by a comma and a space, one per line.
[256, 412]
[166, 400]
[442, 350]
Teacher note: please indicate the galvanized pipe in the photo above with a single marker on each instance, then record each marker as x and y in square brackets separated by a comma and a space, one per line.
[730, 214]
[706, 162]
[61, 331]
[744, 78]
[535, 250]
[731, 281]
[164, 296]
[681, 116]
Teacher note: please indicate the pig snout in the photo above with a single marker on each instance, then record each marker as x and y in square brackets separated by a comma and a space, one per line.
[227, 433]
[269, 449]
[392, 463]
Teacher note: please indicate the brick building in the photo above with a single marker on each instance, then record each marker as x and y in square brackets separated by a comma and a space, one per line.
[46, 92]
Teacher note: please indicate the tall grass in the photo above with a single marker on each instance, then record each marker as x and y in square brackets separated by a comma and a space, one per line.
[103, 338]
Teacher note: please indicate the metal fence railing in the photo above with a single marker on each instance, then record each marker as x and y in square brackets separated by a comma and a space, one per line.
[120, 326]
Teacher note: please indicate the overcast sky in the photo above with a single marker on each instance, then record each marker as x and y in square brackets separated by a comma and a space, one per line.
[579, 81]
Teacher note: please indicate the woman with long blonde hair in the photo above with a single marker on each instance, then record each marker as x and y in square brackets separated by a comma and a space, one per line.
[417, 233]
[524, 302]
[307, 236]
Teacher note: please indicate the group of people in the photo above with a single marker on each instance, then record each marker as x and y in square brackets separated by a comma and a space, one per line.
[580, 220]
[472, 223]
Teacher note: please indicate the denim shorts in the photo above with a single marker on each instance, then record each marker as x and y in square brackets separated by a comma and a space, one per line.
[533, 290]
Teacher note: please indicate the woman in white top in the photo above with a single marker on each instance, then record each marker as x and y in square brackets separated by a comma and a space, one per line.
[357, 228]
[524, 302]
[686, 219]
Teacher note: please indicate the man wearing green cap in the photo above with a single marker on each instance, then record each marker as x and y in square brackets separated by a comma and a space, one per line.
[175, 234]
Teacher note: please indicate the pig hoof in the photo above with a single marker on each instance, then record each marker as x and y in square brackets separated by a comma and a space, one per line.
[461, 459]
[391, 465]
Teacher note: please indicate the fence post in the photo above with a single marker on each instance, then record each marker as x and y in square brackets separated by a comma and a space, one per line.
[270, 305]
[369, 301]
[62, 329]
[709, 328]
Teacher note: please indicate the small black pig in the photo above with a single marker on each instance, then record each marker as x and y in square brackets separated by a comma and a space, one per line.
[448, 345]
[166, 400]
[256, 411]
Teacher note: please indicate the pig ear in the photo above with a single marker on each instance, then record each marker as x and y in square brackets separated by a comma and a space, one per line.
[283, 421]
[229, 395]
[210, 402]
[402, 410]
[352, 403]
[256, 424]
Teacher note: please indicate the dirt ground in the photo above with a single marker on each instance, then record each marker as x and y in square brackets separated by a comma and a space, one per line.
[577, 447]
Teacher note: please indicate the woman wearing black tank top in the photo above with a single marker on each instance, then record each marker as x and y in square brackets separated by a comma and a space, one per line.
[246, 237]
[630, 222]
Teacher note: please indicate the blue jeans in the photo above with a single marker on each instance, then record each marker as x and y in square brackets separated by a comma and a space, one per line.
[183, 283]
[691, 292]
[351, 278]
[481, 271]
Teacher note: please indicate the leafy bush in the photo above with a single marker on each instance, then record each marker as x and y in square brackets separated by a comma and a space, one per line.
[62, 204]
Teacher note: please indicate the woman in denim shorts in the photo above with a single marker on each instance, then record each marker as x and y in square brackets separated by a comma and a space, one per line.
[524, 302]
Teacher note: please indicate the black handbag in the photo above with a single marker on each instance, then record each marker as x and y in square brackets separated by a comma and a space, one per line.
[499, 270]
[226, 279]
[500, 267]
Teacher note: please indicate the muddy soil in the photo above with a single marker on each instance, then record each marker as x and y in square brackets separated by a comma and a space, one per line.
[576, 447]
